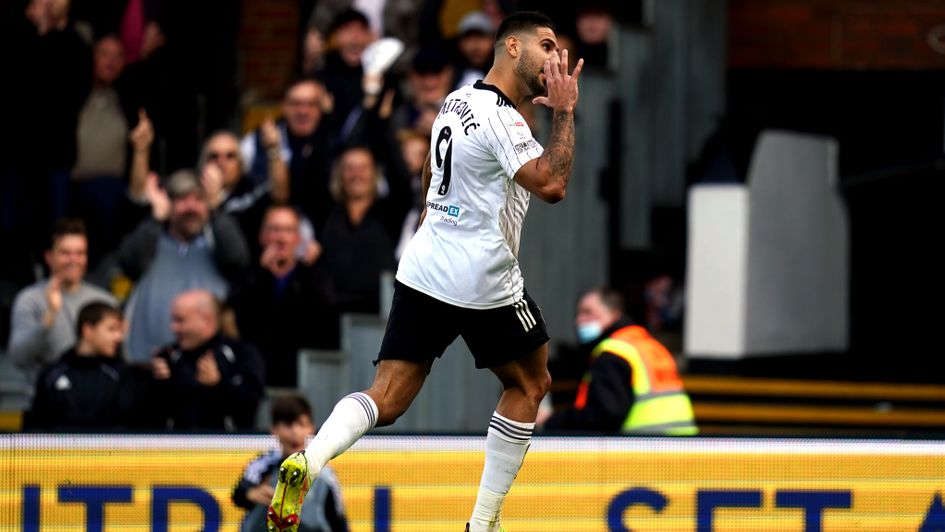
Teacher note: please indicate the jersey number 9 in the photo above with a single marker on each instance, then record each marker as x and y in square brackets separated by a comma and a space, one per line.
[445, 163]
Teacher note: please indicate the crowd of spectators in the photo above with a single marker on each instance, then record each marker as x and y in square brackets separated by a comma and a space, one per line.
[124, 149]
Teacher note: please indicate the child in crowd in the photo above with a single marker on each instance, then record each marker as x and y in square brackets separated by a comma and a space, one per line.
[323, 509]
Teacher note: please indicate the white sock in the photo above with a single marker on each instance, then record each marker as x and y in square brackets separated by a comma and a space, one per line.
[354, 415]
[506, 444]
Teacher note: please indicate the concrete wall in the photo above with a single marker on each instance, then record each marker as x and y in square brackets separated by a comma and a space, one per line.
[768, 269]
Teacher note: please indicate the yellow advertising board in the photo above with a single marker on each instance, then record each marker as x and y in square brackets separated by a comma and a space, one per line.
[401, 484]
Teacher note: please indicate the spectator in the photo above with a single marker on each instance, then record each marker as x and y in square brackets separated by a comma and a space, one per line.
[43, 324]
[287, 304]
[187, 71]
[476, 43]
[388, 18]
[204, 381]
[300, 142]
[362, 230]
[350, 33]
[90, 387]
[323, 509]
[593, 23]
[429, 81]
[194, 249]
[47, 70]
[234, 192]
[98, 185]
[312, 58]
[632, 384]
[60, 83]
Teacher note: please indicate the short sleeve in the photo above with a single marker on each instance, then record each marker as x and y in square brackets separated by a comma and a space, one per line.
[510, 140]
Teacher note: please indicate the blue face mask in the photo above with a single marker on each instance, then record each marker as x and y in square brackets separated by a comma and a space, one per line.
[588, 332]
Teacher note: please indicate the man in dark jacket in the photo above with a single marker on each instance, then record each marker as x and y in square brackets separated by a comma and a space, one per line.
[90, 387]
[631, 385]
[204, 381]
[287, 305]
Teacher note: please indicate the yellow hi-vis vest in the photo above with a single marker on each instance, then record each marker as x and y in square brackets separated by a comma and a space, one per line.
[660, 404]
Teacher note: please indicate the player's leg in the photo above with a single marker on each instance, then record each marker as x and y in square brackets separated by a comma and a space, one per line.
[525, 382]
[418, 330]
[396, 384]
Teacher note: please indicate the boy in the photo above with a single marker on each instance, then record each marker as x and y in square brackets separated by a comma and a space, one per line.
[90, 387]
[323, 508]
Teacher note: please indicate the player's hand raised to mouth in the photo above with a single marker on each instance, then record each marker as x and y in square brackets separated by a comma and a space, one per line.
[562, 87]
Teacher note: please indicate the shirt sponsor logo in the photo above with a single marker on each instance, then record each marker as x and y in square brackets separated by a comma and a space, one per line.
[525, 146]
[450, 210]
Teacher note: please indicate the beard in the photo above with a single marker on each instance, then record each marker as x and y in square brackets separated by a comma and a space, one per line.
[529, 71]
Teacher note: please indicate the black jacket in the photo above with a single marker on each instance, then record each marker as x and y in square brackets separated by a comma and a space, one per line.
[182, 403]
[80, 392]
[281, 316]
[355, 255]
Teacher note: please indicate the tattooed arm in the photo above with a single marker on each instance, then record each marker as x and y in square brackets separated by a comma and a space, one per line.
[547, 176]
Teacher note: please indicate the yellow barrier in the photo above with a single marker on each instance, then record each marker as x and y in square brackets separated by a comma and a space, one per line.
[401, 484]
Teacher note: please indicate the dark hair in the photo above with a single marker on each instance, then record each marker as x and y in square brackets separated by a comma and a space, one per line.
[289, 408]
[108, 35]
[93, 313]
[611, 298]
[522, 21]
[345, 17]
[298, 80]
[430, 60]
[66, 226]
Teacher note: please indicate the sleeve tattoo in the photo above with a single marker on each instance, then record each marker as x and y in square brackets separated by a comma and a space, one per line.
[559, 154]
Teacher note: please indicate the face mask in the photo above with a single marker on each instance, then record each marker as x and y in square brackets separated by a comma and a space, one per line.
[590, 331]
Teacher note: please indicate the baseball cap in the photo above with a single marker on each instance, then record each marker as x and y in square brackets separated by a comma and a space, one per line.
[430, 60]
[346, 17]
[476, 21]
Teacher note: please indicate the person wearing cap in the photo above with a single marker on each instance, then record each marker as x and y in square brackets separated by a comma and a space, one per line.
[349, 35]
[475, 43]
[390, 18]
[193, 248]
[428, 83]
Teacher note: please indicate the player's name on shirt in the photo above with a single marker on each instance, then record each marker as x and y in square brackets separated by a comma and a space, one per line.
[460, 107]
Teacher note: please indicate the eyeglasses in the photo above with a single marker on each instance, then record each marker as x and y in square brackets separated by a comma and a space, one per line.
[214, 155]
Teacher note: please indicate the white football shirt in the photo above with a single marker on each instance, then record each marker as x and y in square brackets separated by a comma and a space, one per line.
[466, 251]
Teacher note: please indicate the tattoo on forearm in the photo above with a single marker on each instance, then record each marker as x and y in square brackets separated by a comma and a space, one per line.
[560, 151]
